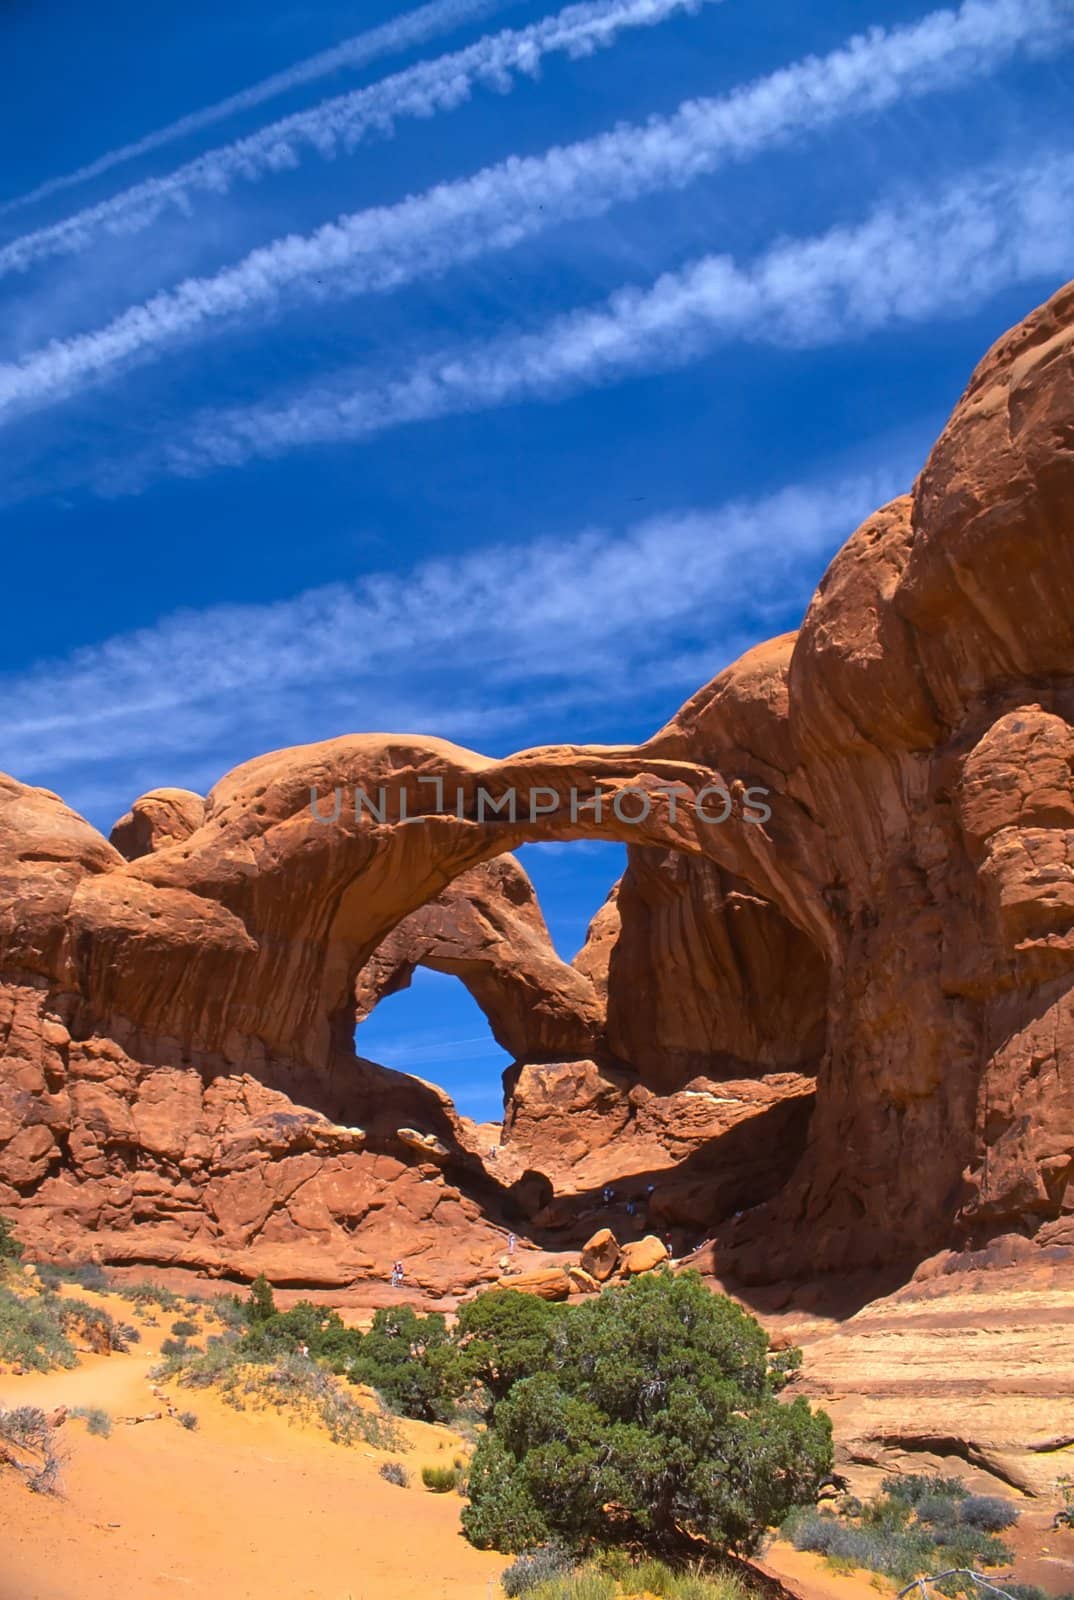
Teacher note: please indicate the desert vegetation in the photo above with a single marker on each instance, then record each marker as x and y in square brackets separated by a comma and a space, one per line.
[649, 1422]
[27, 1443]
[919, 1525]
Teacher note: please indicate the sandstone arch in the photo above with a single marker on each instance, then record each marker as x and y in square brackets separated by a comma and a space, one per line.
[913, 737]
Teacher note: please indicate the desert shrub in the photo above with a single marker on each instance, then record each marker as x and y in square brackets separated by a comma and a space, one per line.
[184, 1328]
[86, 1274]
[988, 1513]
[96, 1420]
[320, 1329]
[395, 1472]
[152, 1294]
[10, 1248]
[26, 1426]
[440, 1480]
[412, 1363]
[504, 1335]
[197, 1369]
[901, 1553]
[656, 1423]
[231, 1311]
[903, 1537]
[175, 1347]
[188, 1420]
[917, 1486]
[538, 1566]
[33, 1331]
[31, 1450]
[123, 1335]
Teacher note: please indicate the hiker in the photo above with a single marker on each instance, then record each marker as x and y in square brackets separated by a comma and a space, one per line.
[397, 1275]
[511, 1242]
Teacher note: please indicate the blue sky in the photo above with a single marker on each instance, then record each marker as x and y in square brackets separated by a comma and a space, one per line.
[484, 370]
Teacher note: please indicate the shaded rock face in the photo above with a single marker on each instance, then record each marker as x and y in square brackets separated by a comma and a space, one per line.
[903, 921]
[707, 977]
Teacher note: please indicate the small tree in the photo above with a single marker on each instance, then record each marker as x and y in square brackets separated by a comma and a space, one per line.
[412, 1362]
[262, 1304]
[505, 1335]
[656, 1423]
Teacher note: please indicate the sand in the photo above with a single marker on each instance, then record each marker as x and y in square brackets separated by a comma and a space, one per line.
[248, 1505]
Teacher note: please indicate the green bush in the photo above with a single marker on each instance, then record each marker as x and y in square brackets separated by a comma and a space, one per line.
[188, 1420]
[321, 1330]
[504, 1335]
[184, 1328]
[656, 1422]
[262, 1306]
[441, 1480]
[412, 1363]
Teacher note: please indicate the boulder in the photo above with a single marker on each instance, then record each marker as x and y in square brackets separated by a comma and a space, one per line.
[582, 1281]
[600, 1255]
[643, 1255]
[551, 1283]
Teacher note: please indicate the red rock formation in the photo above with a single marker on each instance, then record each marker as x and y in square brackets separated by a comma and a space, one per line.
[914, 740]
[486, 928]
[163, 816]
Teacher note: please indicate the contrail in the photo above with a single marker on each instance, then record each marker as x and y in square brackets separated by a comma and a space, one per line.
[903, 265]
[345, 120]
[502, 205]
[415, 27]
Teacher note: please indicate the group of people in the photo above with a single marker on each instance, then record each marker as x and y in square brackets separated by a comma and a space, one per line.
[397, 1274]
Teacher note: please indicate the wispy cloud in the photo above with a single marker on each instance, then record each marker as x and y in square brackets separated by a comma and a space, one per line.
[391, 38]
[907, 263]
[408, 648]
[502, 205]
[497, 60]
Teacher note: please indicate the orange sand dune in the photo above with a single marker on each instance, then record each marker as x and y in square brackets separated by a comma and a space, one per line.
[249, 1505]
